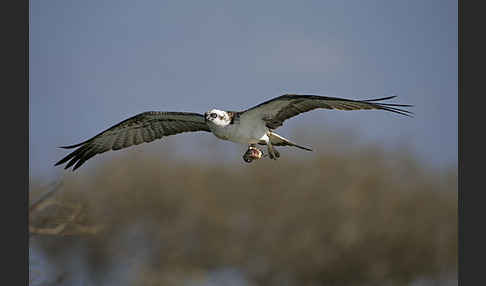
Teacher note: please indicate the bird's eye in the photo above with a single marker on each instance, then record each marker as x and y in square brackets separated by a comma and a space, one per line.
[214, 115]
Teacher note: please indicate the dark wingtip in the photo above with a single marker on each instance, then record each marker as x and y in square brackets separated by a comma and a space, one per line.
[63, 160]
[391, 106]
[71, 146]
[76, 145]
[383, 98]
[76, 157]
[397, 110]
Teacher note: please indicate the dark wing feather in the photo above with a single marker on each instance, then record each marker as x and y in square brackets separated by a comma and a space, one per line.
[144, 127]
[275, 111]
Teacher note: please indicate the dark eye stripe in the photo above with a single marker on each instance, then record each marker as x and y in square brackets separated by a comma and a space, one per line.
[214, 115]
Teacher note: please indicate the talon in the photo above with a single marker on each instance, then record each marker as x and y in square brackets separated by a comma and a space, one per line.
[273, 154]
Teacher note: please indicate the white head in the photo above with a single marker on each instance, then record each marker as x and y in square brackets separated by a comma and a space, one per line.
[217, 117]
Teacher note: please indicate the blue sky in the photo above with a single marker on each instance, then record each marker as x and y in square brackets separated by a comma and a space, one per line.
[95, 63]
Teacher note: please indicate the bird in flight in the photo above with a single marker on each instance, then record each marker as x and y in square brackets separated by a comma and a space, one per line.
[253, 126]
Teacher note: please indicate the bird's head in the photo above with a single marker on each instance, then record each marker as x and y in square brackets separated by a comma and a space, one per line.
[217, 117]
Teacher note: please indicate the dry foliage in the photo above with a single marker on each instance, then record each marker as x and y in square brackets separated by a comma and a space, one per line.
[357, 218]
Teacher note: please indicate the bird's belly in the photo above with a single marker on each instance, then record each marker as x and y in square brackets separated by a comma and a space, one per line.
[235, 133]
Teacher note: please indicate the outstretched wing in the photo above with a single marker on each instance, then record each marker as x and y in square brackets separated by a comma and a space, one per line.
[144, 127]
[275, 111]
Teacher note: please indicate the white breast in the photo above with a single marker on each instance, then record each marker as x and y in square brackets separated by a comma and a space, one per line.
[245, 131]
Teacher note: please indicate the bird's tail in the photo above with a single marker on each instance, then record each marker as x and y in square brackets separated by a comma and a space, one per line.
[278, 140]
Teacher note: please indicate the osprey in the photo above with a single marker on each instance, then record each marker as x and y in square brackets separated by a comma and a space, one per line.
[251, 127]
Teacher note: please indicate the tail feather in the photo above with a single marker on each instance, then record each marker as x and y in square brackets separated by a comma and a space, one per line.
[278, 140]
